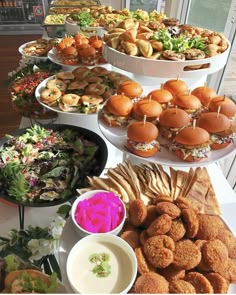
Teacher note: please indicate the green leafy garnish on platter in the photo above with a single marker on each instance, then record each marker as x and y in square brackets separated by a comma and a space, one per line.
[102, 267]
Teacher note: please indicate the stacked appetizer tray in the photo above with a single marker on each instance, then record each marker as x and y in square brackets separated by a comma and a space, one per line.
[165, 49]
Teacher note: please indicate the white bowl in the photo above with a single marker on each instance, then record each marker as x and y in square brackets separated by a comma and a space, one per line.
[83, 232]
[81, 274]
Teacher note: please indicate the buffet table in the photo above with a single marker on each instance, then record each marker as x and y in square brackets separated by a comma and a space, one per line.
[43, 216]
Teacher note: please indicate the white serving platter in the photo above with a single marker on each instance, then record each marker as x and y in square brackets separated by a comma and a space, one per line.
[164, 68]
[56, 109]
[117, 136]
[37, 58]
[53, 57]
[226, 199]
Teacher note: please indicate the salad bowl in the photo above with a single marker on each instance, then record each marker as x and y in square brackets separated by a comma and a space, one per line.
[44, 166]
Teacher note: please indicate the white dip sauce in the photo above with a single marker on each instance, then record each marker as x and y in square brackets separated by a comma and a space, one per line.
[85, 281]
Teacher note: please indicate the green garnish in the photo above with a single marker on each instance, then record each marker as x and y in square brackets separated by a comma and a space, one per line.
[102, 268]
[84, 18]
[180, 43]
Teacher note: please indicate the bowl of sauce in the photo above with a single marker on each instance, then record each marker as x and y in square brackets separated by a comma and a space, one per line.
[101, 264]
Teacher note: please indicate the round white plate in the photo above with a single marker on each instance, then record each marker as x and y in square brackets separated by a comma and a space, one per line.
[42, 86]
[38, 91]
[117, 136]
[21, 50]
[164, 68]
[55, 59]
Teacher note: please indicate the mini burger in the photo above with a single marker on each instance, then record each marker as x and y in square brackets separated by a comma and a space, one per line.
[189, 103]
[219, 127]
[191, 144]
[163, 96]
[171, 121]
[142, 139]
[116, 111]
[69, 102]
[130, 88]
[176, 86]
[70, 55]
[224, 104]
[146, 107]
[88, 55]
[204, 94]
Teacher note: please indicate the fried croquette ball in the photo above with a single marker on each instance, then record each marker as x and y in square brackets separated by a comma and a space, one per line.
[191, 222]
[183, 203]
[160, 225]
[229, 240]
[181, 287]
[168, 208]
[162, 198]
[137, 212]
[177, 230]
[215, 255]
[128, 226]
[220, 285]
[159, 251]
[171, 273]
[202, 265]
[230, 272]
[151, 283]
[131, 237]
[209, 226]
[143, 237]
[186, 255]
[143, 265]
[200, 282]
[151, 216]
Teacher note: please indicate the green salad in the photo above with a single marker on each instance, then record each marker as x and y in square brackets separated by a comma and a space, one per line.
[178, 43]
[42, 164]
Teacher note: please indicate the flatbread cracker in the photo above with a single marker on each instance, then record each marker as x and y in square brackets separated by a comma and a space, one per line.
[191, 174]
[201, 195]
[112, 174]
[180, 180]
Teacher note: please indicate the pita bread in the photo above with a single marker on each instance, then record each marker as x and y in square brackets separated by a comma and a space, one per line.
[113, 175]
[173, 181]
[201, 195]
[103, 183]
[190, 176]
[165, 179]
[180, 180]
